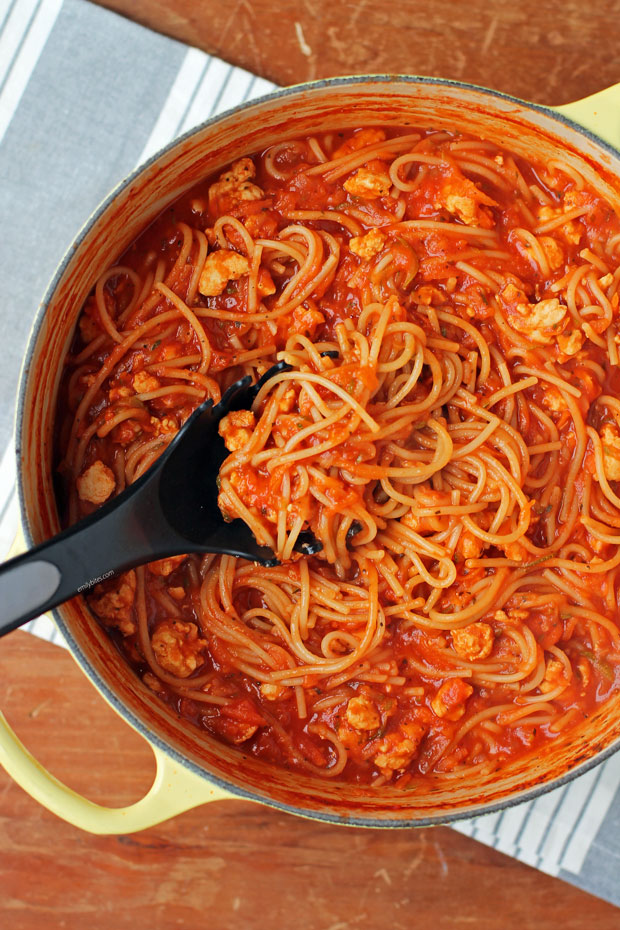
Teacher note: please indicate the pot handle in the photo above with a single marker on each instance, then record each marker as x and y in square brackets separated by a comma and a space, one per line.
[600, 113]
[174, 790]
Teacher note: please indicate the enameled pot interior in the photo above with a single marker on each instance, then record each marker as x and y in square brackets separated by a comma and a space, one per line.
[348, 103]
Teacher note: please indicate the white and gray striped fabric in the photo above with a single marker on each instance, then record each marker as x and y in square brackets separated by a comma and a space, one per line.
[85, 97]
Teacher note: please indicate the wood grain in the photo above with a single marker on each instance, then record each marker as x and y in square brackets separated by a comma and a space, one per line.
[550, 52]
[231, 864]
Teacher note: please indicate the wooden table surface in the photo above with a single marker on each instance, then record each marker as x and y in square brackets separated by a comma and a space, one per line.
[234, 864]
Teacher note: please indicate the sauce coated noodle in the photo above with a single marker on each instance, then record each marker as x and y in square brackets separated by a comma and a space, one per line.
[449, 430]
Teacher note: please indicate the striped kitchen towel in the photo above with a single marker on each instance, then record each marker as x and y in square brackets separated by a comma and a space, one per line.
[85, 96]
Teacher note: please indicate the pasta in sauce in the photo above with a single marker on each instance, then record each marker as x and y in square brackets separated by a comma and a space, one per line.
[449, 430]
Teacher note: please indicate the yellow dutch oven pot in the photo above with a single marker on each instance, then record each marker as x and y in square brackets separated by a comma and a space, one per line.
[192, 768]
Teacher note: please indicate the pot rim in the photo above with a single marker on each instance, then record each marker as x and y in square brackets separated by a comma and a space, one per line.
[77, 653]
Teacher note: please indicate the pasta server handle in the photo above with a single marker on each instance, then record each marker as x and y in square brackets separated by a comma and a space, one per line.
[170, 510]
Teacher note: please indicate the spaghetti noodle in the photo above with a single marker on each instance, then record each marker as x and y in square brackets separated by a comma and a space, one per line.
[449, 429]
